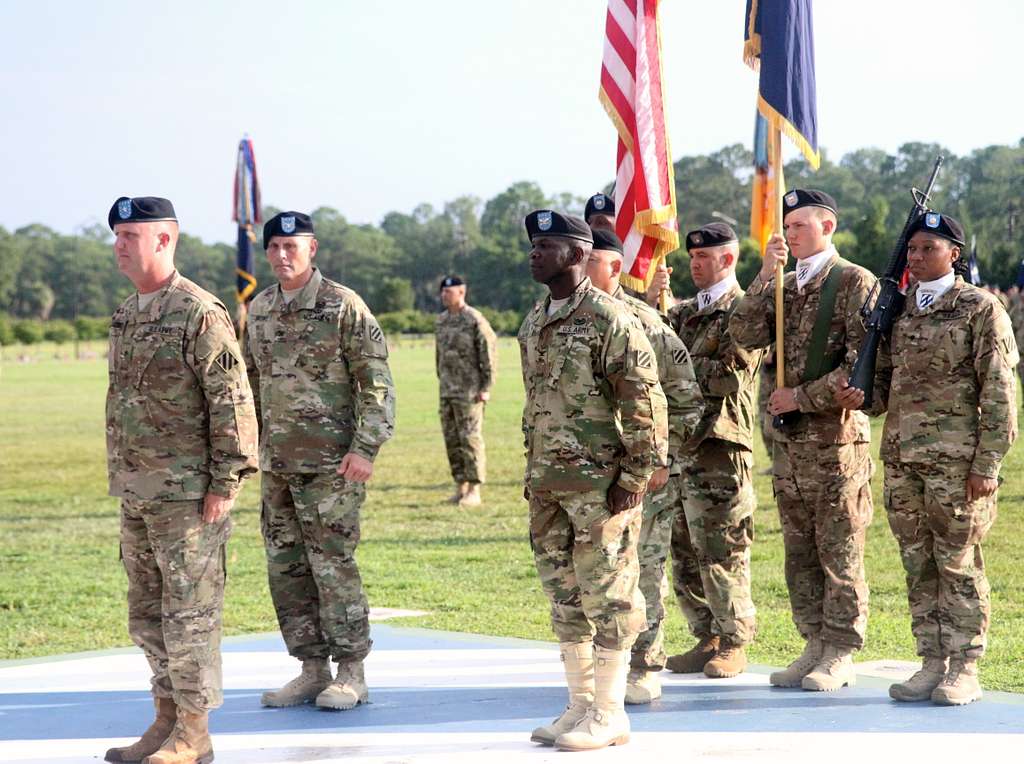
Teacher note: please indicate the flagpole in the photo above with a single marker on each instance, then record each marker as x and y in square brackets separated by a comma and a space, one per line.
[778, 189]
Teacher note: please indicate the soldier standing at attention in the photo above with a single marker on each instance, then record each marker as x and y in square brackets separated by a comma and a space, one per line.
[181, 437]
[952, 403]
[596, 427]
[318, 366]
[682, 393]
[466, 356]
[712, 536]
[822, 468]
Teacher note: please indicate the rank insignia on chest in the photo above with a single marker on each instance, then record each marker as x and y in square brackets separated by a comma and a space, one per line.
[226, 361]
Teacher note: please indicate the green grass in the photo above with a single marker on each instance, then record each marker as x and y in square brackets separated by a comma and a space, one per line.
[62, 588]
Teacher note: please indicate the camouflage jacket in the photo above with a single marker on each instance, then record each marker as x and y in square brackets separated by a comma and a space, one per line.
[594, 413]
[318, 366]
[180, 418]
[950, 382]
[675, 373]
[753, 326]
[727, 373]
[465, 354]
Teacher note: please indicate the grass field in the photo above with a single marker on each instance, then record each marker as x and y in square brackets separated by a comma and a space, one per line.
[62, 588]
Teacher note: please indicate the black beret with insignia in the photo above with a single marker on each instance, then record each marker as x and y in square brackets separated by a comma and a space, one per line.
[140, 209]
[450, 281]
[287, 224]
[599, 204]
[608, 241]
[939, 225]
[710, 235]
[551, 223]
[801, 197]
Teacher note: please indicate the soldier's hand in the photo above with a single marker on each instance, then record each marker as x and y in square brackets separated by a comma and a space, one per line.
[658, 480]
[848, 397]
[660, 282]
[483, 396]
[619, 499]
[782, 400]
[355, 468]
[979, 486]
[216, 508]
[775, 252]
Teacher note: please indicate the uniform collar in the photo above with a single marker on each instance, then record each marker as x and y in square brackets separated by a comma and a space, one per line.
[156, 308]
[708, 298]
[304, 300]
[812, 267]
[574, 300]
[945, 298]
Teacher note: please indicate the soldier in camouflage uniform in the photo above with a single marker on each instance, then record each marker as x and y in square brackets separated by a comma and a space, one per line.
[682, 393]
[318, 367]
[822, 466]
[466, 358]
[952, 404]
[181, 436]
[712, 536]
[1015, 309]
[596, 426]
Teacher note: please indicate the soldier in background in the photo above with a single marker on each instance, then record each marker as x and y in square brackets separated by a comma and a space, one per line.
[596, 427]
[675, 373]
[1015, 309]
[318, 366]
[181, 437]
[712, 536]
[599, 213]
[952, 402]
[466, 359]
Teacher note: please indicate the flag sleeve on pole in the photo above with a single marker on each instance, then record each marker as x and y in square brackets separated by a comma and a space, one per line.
[246, 215]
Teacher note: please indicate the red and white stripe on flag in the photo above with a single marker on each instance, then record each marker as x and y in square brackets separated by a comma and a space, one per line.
[632, 94]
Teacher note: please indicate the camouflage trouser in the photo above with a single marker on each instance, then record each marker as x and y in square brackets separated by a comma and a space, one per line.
[940, 536]
[711, 541]
[655, 534]
[765, 388]
[587, 561]
[175, 567]
[310, 525]
[824, 495]
[462, 424]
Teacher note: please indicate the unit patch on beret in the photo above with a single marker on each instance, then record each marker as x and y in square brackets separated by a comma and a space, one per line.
[544, 221]
[288, 224]
[124, 209]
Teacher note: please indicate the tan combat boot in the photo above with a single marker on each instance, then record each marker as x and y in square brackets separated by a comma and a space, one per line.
[642, 686]
[794, 673]
[188, 743]
[960, 685]
[833, 672]
[472, 496]
[166, 716]
[578, 660]
[347, 690]
[730, 660]
[694, 659]
[921, 684]
[315, 676]
[606, 722]
[460, 491]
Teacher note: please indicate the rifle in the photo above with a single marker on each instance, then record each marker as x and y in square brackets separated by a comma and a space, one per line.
[880, 319]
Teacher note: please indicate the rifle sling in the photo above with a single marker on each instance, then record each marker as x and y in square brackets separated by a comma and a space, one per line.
[818, 364]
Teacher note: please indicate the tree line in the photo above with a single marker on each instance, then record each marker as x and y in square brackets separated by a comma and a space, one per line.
[396, 265]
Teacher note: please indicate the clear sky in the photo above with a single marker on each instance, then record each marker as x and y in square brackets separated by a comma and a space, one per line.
[371, 106]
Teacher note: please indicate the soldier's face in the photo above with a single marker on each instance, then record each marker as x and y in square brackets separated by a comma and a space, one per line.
[550, 257]
[291, 258]
[930, 257]
[454, 296]
[603, 268]
[139, 247]
[602, 222]
[709, 265]
[807, 230]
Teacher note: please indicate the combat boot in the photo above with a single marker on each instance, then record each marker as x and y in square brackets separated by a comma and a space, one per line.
[730, 660]
[694, 659]
[348, 689]
[794, 673]
[642, 686]
[460, 491]
[921, 684]
[188, 743]
[960, 685]
[578, 660]
[472, 496]
[833, 672]
[315, 676]
[152, 738]
[606, 722]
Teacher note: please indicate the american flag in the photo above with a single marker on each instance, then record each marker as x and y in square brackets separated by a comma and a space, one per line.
[632, 94]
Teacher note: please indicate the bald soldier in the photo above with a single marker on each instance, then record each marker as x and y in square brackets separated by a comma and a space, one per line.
[821, 467]
[685, 404]
[318, 366]
[952, 416]
[181, 437]
[596, 427]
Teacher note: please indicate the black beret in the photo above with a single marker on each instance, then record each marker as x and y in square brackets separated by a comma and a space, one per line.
[449, 281]
[801, 197]
[710, 235]
[939, 225]
[607, 240]
[141, 209]
[287, 224]
[551, 223]
[599, 204]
